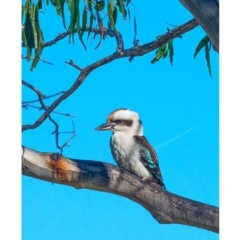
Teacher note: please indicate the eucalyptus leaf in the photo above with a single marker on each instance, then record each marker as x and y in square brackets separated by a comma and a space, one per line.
[201, 44]
[207, 56]
[171, 51]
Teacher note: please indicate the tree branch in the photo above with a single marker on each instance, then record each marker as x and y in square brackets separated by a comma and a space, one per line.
[164, 206]
[56, 132]
[139, 51]
[44, 97]
[107, 32]
[26, 106]
[41, 59]
[206, 13]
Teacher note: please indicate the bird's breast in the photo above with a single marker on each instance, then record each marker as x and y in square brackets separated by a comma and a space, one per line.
[125, 152]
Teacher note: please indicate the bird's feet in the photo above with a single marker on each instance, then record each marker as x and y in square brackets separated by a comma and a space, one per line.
[144, 179]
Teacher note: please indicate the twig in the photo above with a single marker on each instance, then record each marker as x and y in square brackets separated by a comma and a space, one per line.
[40, 108]
[41, 59]
[171, 24]
[141, 50]
[56, 132]
[61, 36]
[49, 116]
[32, 88]
[74, 65]
[70, 139]
[44, 97]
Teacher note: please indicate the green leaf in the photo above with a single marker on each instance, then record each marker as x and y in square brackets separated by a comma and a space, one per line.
[84, 21]
[34, 20]
[28, 30]
[39, 4]
[74, 11]
[62, 2]
[39, 49]
[80, 32]
[122, 8]
[91, 24]
[54, 2]
[111, 9]
[135, 28]
[128, 2]
[171, 51]
[115, 13]
[201, 44]
[207, 56]
[23, 11]
[161, 52]
[111, 5]
[100, 5]
[165, 54]
[89, 3]
[58, 7]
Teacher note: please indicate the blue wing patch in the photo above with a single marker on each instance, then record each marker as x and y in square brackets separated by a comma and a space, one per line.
[149, 158]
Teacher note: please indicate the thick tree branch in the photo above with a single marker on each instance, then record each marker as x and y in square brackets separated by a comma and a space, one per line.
[134, 51]
[206, 13]
[164, 206]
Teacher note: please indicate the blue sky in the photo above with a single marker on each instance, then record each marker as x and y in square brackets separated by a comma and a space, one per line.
[171, 100]
[180, 100]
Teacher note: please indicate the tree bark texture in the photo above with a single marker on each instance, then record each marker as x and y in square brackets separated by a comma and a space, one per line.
[164, 206]
[206, 13]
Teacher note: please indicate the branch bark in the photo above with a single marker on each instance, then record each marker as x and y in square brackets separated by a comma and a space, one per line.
[206, 13]
[134, 51]
[164, 206]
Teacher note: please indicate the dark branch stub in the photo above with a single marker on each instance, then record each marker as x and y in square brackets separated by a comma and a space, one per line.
[71, 63]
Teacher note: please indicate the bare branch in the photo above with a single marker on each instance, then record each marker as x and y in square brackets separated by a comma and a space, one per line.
[73, 65]
[44, 97]
[33, 88]
[49, 116]
[41, 59]
[108, 32]
[40, 108]
[25, 104]
[56, 132]
[164, 206]
[70, 139]
[139, 51]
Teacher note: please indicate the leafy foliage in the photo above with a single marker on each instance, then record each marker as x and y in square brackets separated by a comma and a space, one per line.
[82, 16]
[32, 35]
[164, 51]
[81, 20]
[205, 43]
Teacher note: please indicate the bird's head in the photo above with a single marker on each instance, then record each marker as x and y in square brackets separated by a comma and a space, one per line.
[123, 120]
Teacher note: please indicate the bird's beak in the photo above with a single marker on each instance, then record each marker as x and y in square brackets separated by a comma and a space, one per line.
[105, 126]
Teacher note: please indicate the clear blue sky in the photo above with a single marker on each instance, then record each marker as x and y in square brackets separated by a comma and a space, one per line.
[171, 100]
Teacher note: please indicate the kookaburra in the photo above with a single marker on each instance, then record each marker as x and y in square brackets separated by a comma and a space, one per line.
[130, 149]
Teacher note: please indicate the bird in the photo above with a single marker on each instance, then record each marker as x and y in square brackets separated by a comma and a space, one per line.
[130, 148]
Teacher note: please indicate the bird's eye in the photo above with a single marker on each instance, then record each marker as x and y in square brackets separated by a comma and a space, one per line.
[118, 121]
